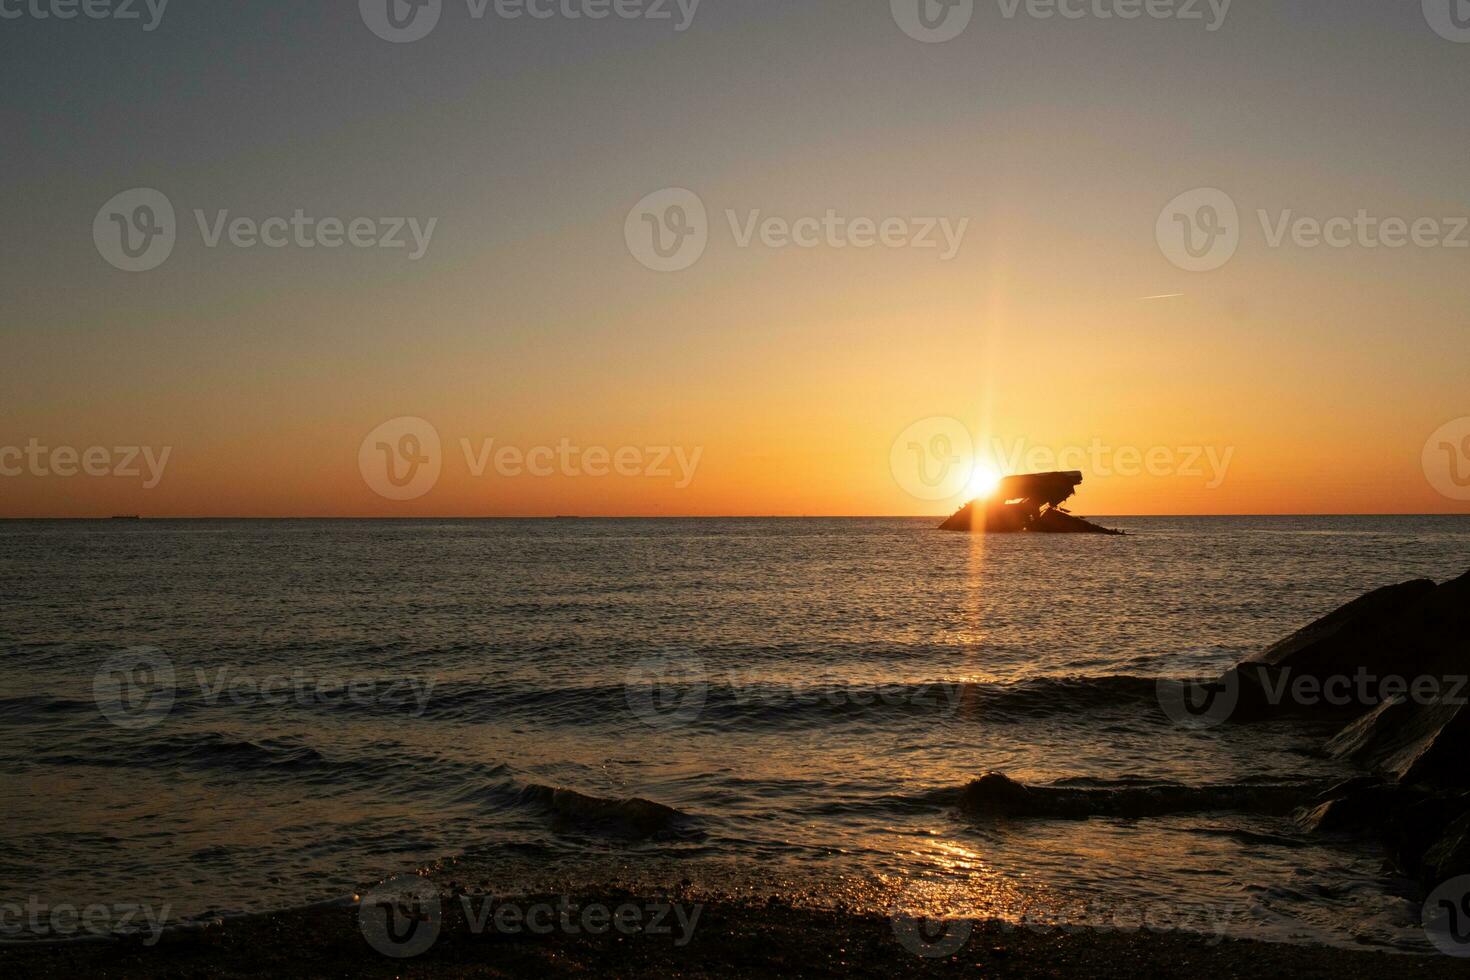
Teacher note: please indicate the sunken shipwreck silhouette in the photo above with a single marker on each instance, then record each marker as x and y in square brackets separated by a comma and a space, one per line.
[1026, 502]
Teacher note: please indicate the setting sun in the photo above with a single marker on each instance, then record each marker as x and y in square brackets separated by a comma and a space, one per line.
[984, 480]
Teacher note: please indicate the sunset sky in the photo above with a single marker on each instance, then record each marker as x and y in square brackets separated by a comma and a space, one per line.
[792, 371]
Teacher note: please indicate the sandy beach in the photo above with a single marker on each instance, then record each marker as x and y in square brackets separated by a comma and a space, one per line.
[731, 938]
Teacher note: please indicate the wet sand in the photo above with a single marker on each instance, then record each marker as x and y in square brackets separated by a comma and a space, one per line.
[732, 938]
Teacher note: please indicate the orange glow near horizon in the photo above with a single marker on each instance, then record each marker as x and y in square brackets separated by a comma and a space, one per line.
[808, 467]
[274, 430]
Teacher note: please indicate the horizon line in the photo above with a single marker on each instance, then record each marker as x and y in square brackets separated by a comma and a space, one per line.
[680, 517]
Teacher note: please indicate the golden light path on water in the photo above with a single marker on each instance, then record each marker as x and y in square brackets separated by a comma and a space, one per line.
[959, 883]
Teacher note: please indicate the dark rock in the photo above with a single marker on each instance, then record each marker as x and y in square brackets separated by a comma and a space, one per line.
[995, 794]
[1411, 742]
[1426, 831]
[1449, 857]
[1374, 648]
[1356, 806]
[635, 817]
[1399, 659]
[1349, 634]
[1418, 825]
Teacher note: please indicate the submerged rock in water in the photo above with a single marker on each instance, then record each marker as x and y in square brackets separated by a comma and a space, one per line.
[633, 817]
[997, 795]
[1028, 502]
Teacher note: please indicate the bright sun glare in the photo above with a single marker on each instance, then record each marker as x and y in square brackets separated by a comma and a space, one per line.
[984, 480]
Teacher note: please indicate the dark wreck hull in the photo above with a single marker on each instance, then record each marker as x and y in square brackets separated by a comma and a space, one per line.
[1025, 503]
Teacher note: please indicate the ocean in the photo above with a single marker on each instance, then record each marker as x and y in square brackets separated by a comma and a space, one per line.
[223, 717]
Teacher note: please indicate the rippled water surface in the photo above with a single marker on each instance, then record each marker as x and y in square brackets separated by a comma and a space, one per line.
[352, 699]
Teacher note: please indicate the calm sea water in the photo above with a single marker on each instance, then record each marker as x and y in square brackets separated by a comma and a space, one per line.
[234, 716]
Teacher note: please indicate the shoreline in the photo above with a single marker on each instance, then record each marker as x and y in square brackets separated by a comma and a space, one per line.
[669, 932]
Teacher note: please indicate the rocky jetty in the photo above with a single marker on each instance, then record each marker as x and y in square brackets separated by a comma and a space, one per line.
[1026, 502]
[1396, 664]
